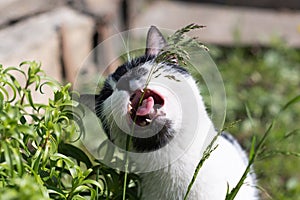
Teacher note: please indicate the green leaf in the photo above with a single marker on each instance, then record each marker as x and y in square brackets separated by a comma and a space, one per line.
[70, 165]
[8, 69]
[37, 82]
[16, 84]
[291, 133]
[26, 130]
[291, 102]
[18, 161]
[81, 188]
[29, 98]
[25, 63]
[1, 100]
[13, 89]
[37, 159]
[54, 190]
[93, 182]
[7, 156]
[58, 95]
[249, 115]
[54, 85]
[74, 152]
[252, 150]
[23, 120]
[78, 197]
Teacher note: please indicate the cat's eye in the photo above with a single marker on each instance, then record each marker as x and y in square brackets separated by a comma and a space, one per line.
[141, 72]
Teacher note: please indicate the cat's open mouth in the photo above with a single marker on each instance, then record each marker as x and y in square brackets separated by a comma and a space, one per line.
[144, 106]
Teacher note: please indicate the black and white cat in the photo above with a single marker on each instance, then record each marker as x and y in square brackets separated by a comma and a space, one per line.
[171, 125]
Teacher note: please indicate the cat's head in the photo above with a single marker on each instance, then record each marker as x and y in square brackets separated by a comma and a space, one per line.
[152, 101]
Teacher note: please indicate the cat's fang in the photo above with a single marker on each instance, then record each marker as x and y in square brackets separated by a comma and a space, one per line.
[129, 107]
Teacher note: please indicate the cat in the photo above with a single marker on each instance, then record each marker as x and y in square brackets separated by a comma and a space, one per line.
[168, 128]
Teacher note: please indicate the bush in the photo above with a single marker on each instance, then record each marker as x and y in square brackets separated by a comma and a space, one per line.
[38, 158]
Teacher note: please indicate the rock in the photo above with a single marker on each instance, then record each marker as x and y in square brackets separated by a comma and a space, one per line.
[31, 40]
[76, 33]
[14, 10]
[41, 38]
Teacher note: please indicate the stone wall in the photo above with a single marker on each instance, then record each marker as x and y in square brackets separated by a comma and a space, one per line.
[62, 33]
[225, 25]
[58, 33]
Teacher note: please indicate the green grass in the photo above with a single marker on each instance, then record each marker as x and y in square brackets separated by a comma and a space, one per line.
[259, 82]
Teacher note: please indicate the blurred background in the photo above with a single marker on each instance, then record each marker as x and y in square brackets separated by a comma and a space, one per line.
[255, 45]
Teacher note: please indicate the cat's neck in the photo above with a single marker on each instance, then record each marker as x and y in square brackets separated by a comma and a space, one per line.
[180, 153]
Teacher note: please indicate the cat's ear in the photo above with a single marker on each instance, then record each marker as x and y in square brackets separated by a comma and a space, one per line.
[155, 42]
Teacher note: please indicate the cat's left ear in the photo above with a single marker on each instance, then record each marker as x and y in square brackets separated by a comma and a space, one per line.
[155, 42]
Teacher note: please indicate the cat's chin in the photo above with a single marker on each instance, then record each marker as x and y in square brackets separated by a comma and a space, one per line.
[148, 126]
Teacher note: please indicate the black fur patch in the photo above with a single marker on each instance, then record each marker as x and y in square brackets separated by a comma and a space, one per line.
[157, 141]
[99, 99]
[229, 137]
[120, 71]
[179, 69]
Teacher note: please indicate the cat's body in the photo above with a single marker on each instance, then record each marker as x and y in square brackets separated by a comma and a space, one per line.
[171, 122]
[225, 166]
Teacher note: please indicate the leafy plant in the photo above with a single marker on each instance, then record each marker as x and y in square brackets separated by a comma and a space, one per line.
[38, 158]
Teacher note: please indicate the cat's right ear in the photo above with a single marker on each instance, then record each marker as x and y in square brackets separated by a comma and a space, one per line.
[155, 42]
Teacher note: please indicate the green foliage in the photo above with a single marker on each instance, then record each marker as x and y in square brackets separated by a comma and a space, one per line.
[38, 159]
[262, 85]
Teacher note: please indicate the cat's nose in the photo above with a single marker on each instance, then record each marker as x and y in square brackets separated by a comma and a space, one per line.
[135, 84]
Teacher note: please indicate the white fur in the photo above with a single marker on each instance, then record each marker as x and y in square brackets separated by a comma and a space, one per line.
[224, 166]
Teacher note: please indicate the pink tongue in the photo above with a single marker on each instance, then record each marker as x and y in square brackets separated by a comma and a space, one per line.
[146, 107]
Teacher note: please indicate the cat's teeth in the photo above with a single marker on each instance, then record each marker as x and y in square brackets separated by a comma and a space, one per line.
[129, 107]
[148, 120]
[143, 123]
